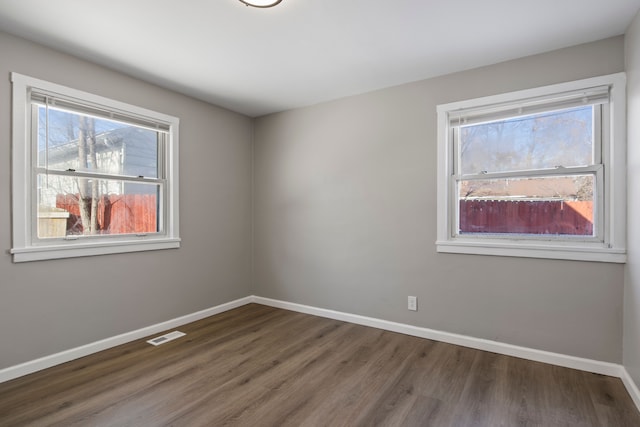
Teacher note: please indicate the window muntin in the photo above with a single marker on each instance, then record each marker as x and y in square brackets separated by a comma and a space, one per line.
[569, 163]
[90, 175]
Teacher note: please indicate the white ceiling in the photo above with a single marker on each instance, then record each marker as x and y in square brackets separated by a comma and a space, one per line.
[258, 61]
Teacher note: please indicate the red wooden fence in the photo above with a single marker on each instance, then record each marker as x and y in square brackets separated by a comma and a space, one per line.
[117, 214]
[527, 216]
[137, 213]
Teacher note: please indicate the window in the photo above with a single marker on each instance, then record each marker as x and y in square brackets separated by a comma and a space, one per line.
[91, 175]
[535, 173]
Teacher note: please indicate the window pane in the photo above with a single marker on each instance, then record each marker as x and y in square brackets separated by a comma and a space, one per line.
[541, 141]
[68, 140]
[541, 206]
[80, 206]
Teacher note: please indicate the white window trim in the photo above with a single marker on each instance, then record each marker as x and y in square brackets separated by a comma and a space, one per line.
[613, 249]
[24, 248]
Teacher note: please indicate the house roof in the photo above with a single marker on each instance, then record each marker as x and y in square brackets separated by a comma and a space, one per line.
[113, 140]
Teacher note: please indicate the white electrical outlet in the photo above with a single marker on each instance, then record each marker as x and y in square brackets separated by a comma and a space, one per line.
[412, 303]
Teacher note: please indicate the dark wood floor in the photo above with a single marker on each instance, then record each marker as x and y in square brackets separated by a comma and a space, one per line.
[260, 366]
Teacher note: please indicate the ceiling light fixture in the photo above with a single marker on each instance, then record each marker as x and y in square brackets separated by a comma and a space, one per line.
[261, 3]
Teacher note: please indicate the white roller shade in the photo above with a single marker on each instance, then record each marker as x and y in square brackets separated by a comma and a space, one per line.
[75, 106]
[490, 113]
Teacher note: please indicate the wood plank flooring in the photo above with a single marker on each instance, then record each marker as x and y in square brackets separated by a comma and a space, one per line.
[261, 366]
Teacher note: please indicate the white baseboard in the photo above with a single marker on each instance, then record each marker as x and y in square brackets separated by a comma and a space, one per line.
[85, 350]
[631, 386]
[589, 365]
[582, 364]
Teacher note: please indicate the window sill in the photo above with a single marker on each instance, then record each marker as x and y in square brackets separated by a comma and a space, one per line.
[547, 251]
[39, 253]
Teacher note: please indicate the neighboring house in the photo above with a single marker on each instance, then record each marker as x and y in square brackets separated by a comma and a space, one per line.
[123, 207]
[128, 151]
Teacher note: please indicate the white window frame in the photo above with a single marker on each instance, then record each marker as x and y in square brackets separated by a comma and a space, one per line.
[26, 245]
[610, 246]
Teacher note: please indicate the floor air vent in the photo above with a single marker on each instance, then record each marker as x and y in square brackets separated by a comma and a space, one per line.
[166, 338]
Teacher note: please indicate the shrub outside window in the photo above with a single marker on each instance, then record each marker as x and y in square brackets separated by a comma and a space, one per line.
[90, 175]
[536, 173]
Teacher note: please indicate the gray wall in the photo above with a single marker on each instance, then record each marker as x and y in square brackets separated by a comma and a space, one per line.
[50, 306]
[631, 343]
[345, 218]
